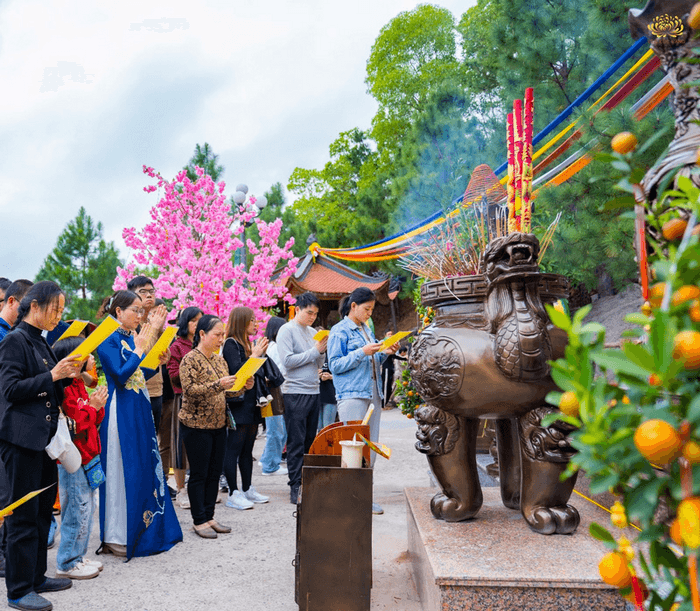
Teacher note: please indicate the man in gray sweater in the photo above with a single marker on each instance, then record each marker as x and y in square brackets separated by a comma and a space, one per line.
[302, 357]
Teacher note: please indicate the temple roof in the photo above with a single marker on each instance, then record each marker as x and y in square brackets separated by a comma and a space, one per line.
[331, 280]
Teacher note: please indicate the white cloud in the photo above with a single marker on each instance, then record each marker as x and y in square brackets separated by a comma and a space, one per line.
[94, 90]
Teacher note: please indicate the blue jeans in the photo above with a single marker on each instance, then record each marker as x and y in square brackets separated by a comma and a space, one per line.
[77, 508]
[327, 415]
[276, 438]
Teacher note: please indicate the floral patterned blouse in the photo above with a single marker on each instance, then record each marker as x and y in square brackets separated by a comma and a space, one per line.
[203, 399]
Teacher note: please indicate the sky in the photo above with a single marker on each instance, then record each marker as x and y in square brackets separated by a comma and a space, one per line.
[93, 90]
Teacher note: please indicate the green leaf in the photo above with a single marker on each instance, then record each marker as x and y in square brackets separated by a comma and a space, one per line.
[693, 413]
[625, 201]
[660, 554]
[639, 355]
[604, 483]
[637, 318]
[623, 166]
[559, 319]
[592, 327]
[616, 361]
[562, 380]
[600, 533]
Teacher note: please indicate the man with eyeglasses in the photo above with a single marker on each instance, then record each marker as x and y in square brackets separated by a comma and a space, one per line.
[10, 304]
[302, 357]
[156, 315]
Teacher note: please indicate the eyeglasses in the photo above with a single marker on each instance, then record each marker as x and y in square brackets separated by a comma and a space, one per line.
[139, 311]
[151, 292]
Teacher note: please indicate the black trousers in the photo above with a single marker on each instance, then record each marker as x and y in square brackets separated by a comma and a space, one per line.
[205, 450]
[157, 410]
[239, 455]
[27, 529]
[301, 418]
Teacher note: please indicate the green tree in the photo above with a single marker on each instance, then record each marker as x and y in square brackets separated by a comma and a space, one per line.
[204, 158]
[83, 265]
[413, 54]
[593, 246]
[341, 203]
[291, 227]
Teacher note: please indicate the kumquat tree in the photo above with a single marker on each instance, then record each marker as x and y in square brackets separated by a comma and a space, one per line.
[637, 409]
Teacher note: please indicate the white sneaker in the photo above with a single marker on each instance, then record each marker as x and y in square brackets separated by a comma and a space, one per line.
[280, 471]
[182, 499]
[96, 563]
[80, 571]
[252, 495]
[238, 500]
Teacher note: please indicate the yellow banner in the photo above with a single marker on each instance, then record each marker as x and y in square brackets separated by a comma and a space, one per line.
[22, 501]
[74, 329]
[397, 337]
[151, 360]
[109, 325]
[245, 372]
[379, 448]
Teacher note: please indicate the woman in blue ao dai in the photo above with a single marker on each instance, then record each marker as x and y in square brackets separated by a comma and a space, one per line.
[136, 514]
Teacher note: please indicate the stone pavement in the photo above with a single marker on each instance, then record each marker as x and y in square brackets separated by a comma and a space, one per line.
[251, 568]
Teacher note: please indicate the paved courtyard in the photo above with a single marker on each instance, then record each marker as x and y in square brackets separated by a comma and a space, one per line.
[251, 568]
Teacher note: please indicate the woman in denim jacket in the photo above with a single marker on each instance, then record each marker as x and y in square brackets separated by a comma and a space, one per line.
[355, 358]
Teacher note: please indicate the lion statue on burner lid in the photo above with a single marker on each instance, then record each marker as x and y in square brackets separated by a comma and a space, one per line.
[485, 355]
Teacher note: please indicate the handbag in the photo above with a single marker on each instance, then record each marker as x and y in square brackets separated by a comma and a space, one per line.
[94, 473]
[230, 422]
[62, 448]
[272, 374]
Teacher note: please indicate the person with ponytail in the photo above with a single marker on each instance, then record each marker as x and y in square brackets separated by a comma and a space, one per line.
[355, 358]
[204, 379]
[136, 514]
[32, 382]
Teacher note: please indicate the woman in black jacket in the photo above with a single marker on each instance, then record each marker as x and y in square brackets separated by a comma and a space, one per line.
[239, 441]
[31, 391]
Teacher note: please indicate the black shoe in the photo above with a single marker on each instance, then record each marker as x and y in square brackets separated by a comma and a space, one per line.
[223, 484]
[30, 602]
[173, 493]
[294, 495]
[54, 584]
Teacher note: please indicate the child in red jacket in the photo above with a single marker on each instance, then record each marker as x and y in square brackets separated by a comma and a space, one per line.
[77, 490]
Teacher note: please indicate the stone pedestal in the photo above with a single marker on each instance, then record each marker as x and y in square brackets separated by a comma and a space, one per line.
[496, 563]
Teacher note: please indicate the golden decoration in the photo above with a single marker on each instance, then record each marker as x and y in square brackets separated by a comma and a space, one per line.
[666, 25]
[147, 518]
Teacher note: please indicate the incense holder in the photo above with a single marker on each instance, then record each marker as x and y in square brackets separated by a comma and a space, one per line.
[486, 355]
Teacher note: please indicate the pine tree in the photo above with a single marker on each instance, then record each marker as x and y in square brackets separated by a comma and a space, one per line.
[204, 158]
[83, 265]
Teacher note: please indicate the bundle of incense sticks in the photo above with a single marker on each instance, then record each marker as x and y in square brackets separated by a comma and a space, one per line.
[520, 164]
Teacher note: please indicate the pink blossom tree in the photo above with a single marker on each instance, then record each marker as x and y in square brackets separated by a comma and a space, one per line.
[191, 241]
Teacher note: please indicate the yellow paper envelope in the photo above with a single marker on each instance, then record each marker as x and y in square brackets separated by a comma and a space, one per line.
[22, 501]
[151, 359]
[109, 325]
[397, 337]
[247, 370]
[380, 448]
[321, 334]
[74, 329]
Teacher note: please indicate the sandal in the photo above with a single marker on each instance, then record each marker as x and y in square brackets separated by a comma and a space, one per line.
[220, 528]
[205, 531]
[113, 548]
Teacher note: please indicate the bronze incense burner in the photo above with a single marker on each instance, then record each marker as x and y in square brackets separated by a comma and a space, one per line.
[486, 355]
